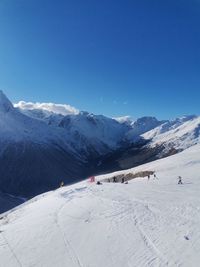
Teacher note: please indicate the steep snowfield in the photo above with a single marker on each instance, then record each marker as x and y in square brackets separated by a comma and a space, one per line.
[180, 133]
[34, 157]
[97, 130]
[143, 223]
[141, 126]
[17, 127]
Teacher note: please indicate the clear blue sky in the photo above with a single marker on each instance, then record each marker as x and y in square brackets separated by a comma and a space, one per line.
[112, 57]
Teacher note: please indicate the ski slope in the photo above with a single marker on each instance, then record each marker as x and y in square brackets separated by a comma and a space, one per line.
[143, 223]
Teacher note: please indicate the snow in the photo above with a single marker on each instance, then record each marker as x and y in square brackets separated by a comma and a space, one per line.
[86, 132]
[143, 223]
[142, 125]
[15, 127]
[96, 129]
[82, 128]
[124, 119]
[181, 133]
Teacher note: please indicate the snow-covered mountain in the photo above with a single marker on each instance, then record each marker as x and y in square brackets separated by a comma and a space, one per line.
[33, 156]
[86, 132]
[143, 223]
[39, 149]
[141, 126]
[178, 134]
[43, 144]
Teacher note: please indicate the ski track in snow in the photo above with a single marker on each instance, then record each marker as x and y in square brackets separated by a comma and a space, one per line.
[6, 243]
[69, 248]
[142, 224]
[126, 212]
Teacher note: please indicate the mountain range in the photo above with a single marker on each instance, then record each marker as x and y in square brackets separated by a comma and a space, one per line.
[41, 148]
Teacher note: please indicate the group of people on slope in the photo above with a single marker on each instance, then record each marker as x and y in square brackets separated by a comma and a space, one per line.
[155, 177]
[114, 180]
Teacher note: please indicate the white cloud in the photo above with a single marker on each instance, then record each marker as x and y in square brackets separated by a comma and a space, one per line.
[51, 107]
[124, 119]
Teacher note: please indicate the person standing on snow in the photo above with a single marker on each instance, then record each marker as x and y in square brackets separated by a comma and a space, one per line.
[155, 176]
[180, 180]
[114, 179]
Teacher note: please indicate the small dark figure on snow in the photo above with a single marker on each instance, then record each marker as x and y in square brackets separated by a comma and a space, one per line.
[155, 177]
[122, 180]
[180, 180]
[148, 177]
[99, 183]
[114, 179]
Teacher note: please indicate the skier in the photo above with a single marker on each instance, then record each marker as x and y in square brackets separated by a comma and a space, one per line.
[155, 177]
[114, 179]
[180, 180]
[148, 177]
[122, 180]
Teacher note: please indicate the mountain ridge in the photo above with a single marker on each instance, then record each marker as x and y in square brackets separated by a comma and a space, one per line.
[39, 148]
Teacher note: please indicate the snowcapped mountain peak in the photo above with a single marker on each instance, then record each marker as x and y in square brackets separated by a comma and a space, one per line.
[125, 119]
[5, 104]
[146, 120]
[186, 118]
[142, 125]
[180, 133]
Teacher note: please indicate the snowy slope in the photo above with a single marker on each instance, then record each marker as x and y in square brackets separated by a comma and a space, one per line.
[180, 133]
[15, 126]
[144, 223]
[34, 157]
[96, 130]
[141, 126]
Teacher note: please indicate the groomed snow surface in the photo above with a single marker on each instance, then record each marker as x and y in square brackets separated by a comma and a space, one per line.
[143, 223]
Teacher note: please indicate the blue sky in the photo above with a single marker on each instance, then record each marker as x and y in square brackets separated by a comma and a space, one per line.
[108, 57]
